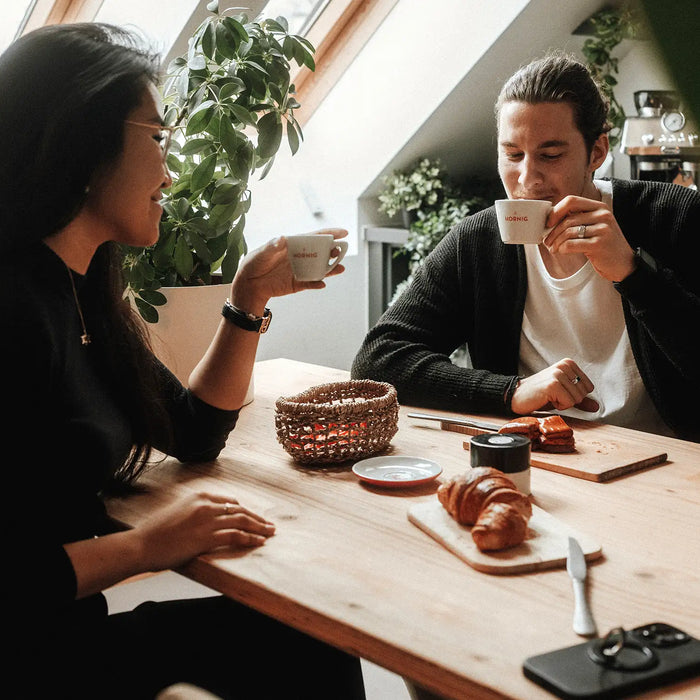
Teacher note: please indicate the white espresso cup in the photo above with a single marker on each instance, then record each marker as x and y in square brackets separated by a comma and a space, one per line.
[523, 220]
[311, 255]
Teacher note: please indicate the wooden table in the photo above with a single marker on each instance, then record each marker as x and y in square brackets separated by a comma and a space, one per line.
[348, 567]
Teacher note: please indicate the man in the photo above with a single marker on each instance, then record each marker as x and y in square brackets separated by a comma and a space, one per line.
[593, 322]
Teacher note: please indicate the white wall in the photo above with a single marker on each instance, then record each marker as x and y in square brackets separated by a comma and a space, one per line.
[424, 84]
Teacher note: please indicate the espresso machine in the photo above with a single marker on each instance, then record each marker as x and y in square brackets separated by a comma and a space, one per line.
[661, 141]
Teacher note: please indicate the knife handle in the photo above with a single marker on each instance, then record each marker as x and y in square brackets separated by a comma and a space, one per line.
[583, 620]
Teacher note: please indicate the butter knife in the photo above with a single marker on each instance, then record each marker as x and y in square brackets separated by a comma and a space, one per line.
[576, 568]
[466, 422]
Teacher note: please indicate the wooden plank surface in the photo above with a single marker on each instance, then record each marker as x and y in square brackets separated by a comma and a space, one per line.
[603, 452]
[347, 566]
[545, 547]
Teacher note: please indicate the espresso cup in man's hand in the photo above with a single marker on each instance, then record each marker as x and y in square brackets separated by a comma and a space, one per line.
[523, 220]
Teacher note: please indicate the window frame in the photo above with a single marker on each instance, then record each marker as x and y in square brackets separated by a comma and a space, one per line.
[338, 34]
[61, 12]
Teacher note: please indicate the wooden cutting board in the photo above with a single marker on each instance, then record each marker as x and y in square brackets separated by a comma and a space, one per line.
[545, 547]
[603, 452]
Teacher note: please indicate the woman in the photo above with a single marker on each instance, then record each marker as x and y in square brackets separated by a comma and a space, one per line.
[82, 172]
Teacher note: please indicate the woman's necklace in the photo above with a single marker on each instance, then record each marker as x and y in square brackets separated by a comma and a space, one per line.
[85, 337]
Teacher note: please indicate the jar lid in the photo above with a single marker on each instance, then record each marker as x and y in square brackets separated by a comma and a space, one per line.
[508, 452]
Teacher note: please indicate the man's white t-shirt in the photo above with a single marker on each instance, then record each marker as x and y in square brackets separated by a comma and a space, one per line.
[581, 317]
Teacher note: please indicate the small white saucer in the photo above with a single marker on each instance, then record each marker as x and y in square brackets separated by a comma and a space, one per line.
[396, 471]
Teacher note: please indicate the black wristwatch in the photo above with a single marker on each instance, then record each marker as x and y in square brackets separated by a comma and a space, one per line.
[246, 321]
[643, 259]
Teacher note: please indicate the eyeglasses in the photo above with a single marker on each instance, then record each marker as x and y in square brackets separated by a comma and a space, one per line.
[165, 133]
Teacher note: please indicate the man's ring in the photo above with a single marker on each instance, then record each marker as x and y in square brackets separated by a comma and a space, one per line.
[581, 231]
[576, 379]
[228, 508]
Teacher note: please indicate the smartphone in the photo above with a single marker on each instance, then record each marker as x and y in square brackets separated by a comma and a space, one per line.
[637, 660]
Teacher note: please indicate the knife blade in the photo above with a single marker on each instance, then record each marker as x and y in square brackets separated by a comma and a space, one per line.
[576, 568]
[466, 422]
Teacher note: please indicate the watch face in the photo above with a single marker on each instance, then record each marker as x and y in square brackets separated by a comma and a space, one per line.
[673, 121]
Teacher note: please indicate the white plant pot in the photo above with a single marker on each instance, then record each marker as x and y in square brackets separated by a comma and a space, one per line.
[186, 326]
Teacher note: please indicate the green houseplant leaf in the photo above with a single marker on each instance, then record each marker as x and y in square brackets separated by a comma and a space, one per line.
[610, 27]
[436, 202]
[232, 100]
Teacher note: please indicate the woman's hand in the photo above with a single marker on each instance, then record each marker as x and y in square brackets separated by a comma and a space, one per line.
[588, 227]
[197, 524]
[193, 525]
[222, 376]
[266, 273]
[561, 386]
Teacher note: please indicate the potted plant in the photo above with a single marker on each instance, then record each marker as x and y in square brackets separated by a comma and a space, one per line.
[407, 192]
[436, 204]
[610, 26]
[232, 100]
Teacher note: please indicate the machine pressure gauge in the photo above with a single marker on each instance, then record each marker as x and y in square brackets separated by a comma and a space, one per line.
[673, 121]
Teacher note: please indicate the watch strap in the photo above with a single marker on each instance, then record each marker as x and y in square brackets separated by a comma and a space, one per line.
[644, 259]
[640, 287]
[246, 321]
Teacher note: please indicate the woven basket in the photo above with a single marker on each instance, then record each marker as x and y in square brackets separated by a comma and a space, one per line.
[337, 422]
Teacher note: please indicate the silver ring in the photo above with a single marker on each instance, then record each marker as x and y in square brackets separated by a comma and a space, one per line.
[581, 231]
[576, 379]
[228, 508]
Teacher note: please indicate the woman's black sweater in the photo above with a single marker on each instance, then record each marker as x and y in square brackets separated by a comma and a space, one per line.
[64, 435]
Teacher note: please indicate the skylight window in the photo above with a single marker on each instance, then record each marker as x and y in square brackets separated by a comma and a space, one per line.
[301, 14]
[159, 23]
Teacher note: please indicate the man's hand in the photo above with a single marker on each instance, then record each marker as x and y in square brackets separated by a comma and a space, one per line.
[588, 227]
[561, 386]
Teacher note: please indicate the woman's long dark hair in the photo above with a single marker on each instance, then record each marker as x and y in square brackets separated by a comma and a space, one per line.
[65, 91]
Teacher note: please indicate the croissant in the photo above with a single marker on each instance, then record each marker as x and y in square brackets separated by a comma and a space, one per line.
[471, 499]
[499, 526]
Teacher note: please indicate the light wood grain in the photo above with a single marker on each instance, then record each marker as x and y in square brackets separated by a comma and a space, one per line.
[545, 547]
[347, 566]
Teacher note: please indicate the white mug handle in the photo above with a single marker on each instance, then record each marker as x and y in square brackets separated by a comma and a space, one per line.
[343, 245]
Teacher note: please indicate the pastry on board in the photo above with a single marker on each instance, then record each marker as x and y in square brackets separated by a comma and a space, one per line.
[549, 433]
[488, 500]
